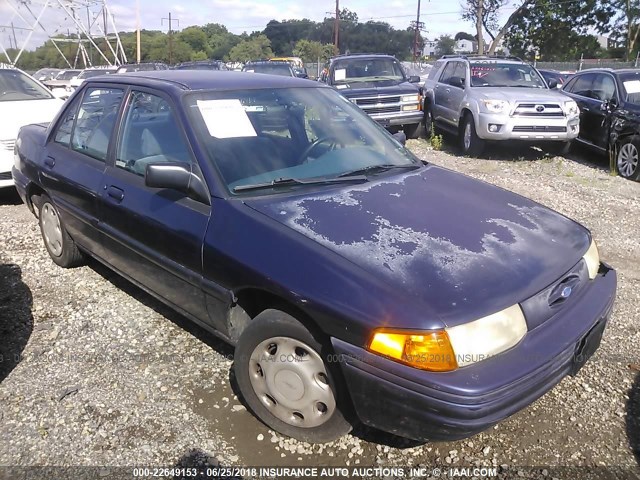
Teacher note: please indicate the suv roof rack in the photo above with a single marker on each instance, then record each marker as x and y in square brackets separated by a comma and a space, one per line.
[475, 56]
[362, 54]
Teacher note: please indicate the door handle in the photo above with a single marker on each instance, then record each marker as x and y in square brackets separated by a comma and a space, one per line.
[115, 193]
[586, 109]
[50, 162]
[448, 90]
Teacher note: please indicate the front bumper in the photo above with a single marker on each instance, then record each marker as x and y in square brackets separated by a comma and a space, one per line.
[447, 406]
[397, 118]
[527, 128]
[6, 162]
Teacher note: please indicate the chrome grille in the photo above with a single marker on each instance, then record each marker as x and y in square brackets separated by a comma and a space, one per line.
[538, 110]
[538, 128]
[7, 144]
[5, 176]
[383, 109]
[377, 100]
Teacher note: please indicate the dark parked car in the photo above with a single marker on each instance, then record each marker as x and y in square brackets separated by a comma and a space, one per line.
[609, 102]
[356, 282]
[558, 77]
[269, 67]
[378, 84]
[141, 67]
[202, 65]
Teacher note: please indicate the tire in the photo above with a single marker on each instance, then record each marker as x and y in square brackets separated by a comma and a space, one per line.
[61, 247]
[428, 122]
[283, 376]
[413, 130]
[471, 144]
[628, 158]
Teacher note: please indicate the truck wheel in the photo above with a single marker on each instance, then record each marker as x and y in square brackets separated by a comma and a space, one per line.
[285, 380]
[471, 144]
[628, 158]
[413, 131]
[61, 247]
[428, 122]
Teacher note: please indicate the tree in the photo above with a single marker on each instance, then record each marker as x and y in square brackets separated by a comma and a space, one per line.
[195, 38]
[464, 36]
[484, 15]
[445, 45]
[625, 25]
[251, 49]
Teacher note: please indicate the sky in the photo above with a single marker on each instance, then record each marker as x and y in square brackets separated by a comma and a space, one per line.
[439, 16]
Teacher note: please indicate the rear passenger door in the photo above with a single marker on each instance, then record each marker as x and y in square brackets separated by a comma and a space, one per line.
[74, 161]
[154, 236]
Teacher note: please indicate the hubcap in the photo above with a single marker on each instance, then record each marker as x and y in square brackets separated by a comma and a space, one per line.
[290, 379]
[467, 136]
[627, 159]
[51, 229]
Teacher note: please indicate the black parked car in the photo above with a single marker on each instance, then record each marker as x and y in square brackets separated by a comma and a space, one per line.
[356, 282]
[269, 67]
[142, 67]
[609, 102]
[201, 65]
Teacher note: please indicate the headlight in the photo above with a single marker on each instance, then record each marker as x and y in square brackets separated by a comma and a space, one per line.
[592, 257]
[410, 98]
[448, 349]
[571, 108]
[495, 106]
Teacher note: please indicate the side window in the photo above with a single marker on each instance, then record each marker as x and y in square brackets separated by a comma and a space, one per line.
[63, 133]
[582, 85]
[96, 119]
[448, 72]
[460, 71]
[150, 133]
[435, 69]
[604, 88]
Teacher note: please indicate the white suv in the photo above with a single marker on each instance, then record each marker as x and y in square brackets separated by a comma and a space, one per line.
[481, 98]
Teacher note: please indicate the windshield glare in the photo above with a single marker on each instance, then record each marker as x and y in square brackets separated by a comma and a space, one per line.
[366, 70]
[258, 136]
[15, 85]
[493, 74]
[283, 70]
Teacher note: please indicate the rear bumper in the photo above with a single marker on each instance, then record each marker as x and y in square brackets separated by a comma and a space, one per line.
[21, 182]
[396, 118]
[453, 405]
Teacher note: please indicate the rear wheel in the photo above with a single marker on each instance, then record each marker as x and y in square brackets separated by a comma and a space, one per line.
[471, 144]
[284, 379]
[627, 159]
[428, 122]
[61, 247]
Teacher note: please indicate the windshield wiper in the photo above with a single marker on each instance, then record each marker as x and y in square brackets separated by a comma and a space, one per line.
[377, 168]
[285, 182]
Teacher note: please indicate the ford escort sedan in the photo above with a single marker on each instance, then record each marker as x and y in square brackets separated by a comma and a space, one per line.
[356, 282]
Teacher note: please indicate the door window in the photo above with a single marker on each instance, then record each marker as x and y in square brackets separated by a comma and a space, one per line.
[582, 85]
[604, 87]
[150, 133]
[65, 127]
[448, 72]
[96, 118]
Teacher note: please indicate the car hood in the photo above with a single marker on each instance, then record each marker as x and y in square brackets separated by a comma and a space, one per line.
[382, 87]
[458, 246]
[513, 94]
[19, 113]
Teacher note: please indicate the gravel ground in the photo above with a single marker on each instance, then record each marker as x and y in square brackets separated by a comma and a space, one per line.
[93, 371]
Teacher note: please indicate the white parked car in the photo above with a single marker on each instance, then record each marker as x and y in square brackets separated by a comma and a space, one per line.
[23, 100]
[89, 73]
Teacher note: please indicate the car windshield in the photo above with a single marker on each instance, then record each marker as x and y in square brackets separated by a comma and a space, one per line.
[67, 74]
[15, 85]
[94, 73]
[366, 70]
[291, 137]
[631, 84]
[494, 74]
[141, 67]
[270, 68]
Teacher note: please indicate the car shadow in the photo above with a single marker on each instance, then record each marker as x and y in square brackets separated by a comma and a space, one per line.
[196, 464]
[9, 196]
[150, 301]
[633, 418]
[16, 319]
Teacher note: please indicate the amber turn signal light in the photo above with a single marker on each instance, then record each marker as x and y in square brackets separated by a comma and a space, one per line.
[430, 351]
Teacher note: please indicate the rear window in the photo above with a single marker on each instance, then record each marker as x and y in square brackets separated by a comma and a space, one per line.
[15, 86]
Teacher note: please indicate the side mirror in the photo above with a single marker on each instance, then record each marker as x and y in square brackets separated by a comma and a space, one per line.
[176, 176]
[400, 137]
[553, 83]
[414, 79]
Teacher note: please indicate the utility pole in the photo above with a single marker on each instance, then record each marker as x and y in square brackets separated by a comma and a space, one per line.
[13, 30]
[336, 27]
[171, 35]
[417, 26]
[138, 31]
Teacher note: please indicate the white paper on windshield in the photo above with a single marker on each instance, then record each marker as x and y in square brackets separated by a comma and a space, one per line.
[226, 118]
[340, 74]
[632, 86]
[341, 86]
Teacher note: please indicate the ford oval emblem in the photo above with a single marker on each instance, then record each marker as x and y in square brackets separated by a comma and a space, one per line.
[540, 108]
[566, 291]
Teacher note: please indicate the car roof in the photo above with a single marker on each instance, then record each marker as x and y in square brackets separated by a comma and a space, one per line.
[361, 55]
[609, 70]
[206, 80]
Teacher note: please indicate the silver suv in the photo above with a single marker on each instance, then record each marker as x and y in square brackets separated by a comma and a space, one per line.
[481, 98]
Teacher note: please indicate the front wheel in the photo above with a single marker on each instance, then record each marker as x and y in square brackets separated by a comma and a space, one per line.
[627, 158]
[428, 122]
[471, 144]
[283, 377]
[413, 131]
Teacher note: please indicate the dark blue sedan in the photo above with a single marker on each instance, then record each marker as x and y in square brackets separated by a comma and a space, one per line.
[356, 282]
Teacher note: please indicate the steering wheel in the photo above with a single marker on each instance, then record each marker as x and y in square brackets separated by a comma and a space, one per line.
[305, 154]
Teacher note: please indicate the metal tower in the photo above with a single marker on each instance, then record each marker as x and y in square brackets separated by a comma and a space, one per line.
[87, 23]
